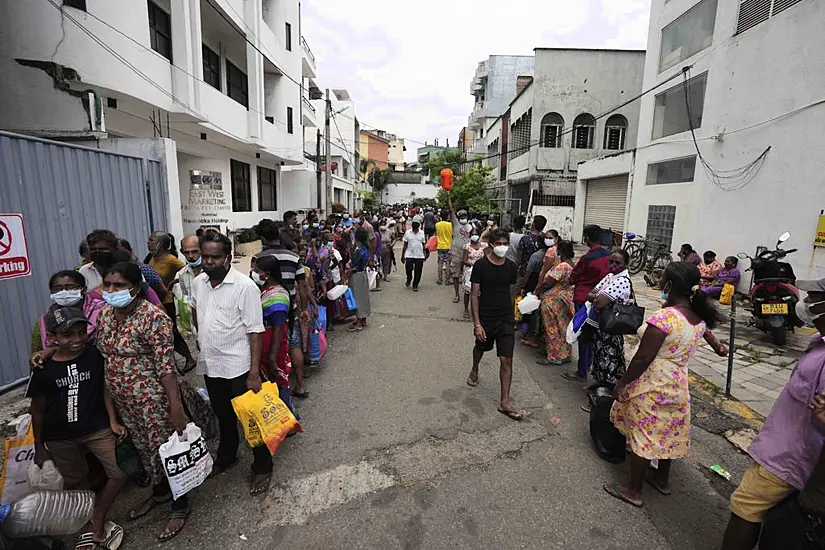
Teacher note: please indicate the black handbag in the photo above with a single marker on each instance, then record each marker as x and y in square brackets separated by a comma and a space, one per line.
[622, 319]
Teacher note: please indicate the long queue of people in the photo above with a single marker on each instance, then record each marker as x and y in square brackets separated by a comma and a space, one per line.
[103, 353]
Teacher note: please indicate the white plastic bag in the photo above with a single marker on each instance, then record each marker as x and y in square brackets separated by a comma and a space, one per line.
[336, 292]
[468, 285]
[529, 303]
[186, 460]
[372, 277]
[47, 478]
[19, 453]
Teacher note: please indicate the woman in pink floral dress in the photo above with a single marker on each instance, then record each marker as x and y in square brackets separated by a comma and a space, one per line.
[652, 407]
[136, 339]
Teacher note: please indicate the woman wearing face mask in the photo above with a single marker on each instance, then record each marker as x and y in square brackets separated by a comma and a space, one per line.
[652, 406]
[557, 306]
[68, 288]
[608, 349]
[473, 251]
[136, 339]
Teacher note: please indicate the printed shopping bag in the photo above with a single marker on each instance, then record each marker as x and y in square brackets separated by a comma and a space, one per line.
[274, 418]
[19, 454]
[244, 405]
[517, 311]
[186, 460]
[322, 317]
[727, 294]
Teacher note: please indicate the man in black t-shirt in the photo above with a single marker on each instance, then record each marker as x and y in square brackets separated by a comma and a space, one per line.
[492, 281]
[72, 413]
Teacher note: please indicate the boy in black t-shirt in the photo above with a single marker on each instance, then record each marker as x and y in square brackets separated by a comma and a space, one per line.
[492, 281]
[72, 413]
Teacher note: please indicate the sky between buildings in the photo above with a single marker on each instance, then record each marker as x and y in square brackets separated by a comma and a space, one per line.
[408, 63]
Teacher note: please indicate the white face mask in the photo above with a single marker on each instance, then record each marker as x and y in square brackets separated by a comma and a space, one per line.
[490, 223]
[463, 221]
[257, 278]
[500, 250]
[803, 312]
[67, 297]
[474, 238]
[549, 242]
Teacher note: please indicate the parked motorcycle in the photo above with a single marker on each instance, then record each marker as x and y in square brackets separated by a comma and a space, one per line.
[773, 294]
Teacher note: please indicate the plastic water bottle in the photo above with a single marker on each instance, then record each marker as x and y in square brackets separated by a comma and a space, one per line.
[47, 514]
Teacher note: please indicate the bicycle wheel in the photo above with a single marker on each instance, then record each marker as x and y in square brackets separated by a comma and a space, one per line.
[637, 259]
[662, 260]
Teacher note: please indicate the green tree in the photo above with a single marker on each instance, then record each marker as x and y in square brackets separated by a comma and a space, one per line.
[378, 179]
[470, 190]
[369, 201]
[443, 159]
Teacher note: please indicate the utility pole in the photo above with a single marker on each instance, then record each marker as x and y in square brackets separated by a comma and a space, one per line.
[328, 154]
[318, 171]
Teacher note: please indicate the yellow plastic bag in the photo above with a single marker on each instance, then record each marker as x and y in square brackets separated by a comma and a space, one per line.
[517, 311]
[244, 405]
[266, 419]
[727, 294]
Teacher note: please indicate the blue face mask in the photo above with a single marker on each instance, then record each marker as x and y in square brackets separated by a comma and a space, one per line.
[120, 298]
[663, 295]
[196, 263]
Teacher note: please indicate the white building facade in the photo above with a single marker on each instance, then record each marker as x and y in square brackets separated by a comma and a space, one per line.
[222, 78]
[754, 101]
[558, 121]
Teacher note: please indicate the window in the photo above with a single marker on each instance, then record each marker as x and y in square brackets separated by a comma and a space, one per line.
[160, 31]
[270, 119]
[551, 127]
[671, 171]
[76, 4]
[289, 128]
[288, 37]
[670, 113]
[688, 35]
[660, 220]
[267, 199]
[753, 12]
[241, 191]
[615, 133]
[236, 84]
[211, 67]
[346, 172]
[584, 128]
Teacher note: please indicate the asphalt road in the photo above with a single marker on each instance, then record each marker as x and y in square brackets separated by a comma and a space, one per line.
[398, 452]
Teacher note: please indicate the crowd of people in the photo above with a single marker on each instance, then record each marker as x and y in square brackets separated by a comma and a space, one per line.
[106, 368]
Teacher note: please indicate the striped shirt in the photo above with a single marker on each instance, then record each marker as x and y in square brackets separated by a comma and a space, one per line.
[226, 315]
[291, 267]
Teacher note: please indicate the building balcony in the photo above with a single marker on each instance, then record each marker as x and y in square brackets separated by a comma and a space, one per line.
[309, 117]
[307, 60]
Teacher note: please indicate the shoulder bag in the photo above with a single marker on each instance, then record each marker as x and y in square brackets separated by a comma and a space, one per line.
[622, 319]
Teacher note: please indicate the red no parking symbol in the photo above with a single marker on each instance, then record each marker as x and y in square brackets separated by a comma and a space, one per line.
[5, 239]
[14, 252]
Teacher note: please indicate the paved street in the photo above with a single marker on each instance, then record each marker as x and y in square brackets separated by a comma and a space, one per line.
[398, 452]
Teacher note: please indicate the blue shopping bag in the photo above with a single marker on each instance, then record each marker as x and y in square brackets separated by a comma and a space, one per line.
[350, 298]
[322, 317]
[317, 342]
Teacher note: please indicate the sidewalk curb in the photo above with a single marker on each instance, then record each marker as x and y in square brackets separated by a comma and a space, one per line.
[711, 392]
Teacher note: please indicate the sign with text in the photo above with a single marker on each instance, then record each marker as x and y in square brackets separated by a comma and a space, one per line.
[207, 203]
[819, 238]
[14, 253]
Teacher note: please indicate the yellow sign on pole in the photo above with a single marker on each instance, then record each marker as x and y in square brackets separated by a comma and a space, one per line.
[819, 239]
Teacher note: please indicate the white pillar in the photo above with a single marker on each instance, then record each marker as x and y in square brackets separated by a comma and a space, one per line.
[183, 27]
[254, 70]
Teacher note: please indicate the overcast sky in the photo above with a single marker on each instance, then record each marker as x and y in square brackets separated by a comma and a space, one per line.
[408, 64]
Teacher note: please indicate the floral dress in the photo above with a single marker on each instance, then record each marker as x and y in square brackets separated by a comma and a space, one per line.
[557, 312]
[653, 411]
[139, 352]
[473, 255]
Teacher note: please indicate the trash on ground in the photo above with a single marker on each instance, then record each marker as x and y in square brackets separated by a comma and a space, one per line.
[243, 537]
[741, 438]
[555, 421]
[721, 472]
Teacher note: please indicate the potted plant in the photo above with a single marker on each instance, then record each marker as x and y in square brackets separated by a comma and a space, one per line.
[247, 242]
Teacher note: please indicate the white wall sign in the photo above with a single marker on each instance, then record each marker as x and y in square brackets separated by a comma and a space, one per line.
[207, 203]
[14, 253]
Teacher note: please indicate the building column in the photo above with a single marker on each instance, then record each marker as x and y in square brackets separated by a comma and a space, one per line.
[254, 70]
[185, 27]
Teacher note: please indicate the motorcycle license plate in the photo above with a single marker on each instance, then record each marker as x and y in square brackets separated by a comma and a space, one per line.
[774, 309]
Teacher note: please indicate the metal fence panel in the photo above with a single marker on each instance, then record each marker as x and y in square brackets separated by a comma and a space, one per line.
[63, 192]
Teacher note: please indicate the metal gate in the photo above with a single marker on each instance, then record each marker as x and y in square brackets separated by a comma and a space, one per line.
[63, 192]
[605, 202]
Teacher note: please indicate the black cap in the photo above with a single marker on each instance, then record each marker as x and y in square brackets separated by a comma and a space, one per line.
[60, 319]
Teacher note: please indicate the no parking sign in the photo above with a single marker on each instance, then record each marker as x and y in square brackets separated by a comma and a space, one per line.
[14, 252]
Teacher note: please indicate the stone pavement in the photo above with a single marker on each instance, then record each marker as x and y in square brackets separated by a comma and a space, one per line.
[760, 369]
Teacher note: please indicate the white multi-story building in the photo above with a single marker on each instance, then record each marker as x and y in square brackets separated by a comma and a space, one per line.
[222, 78]
[557, 121]
[754, 102]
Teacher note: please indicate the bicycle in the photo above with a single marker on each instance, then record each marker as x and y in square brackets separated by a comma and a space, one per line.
[635, 245]
[656, 263]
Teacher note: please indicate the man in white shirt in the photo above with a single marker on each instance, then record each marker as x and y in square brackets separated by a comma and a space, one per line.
[226, 306]
[412, 256]
[102, 244]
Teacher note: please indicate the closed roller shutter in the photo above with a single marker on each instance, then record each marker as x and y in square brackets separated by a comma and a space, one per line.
[605, 202]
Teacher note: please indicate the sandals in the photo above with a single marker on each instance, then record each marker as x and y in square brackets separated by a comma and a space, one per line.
[148, 505]
[620, 493]
[651, 480]
[259, 483]
[456, 299]
[113, 536]
[300, 394]
[573, 376]
[355, 329]
[85, 542]
[472, 383]
[517, 416]
[176, 515]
